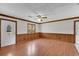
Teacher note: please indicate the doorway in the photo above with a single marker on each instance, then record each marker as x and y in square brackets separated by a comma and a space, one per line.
[76, 33]
[8, 32]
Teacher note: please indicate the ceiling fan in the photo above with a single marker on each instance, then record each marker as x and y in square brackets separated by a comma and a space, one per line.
[40, 18]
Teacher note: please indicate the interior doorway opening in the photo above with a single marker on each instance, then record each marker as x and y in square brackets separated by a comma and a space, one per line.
[8, 32]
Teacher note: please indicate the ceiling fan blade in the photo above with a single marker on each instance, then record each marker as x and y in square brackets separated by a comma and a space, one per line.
[39, 16]
[44, 17]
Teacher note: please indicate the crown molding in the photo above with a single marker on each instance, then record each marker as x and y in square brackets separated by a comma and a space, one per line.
[37, 22]
[14, 17]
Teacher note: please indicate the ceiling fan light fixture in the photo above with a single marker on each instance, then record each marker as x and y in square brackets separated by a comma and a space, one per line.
[39, 20]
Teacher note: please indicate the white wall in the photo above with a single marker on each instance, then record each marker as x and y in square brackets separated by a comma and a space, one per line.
[22, 27]
[65, 27]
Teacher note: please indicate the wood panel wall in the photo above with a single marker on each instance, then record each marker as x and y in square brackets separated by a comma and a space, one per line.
[58, 36]
[54, 36]
[27, 37]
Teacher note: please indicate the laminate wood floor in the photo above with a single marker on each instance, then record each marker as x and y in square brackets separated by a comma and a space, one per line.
[40, 47]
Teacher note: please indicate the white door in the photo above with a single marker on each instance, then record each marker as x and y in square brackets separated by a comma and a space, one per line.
[8, 33]
[77, 32]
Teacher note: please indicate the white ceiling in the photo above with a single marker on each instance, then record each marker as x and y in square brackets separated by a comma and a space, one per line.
[51, 10]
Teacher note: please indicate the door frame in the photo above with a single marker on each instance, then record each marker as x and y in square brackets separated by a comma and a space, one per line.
[15, 28]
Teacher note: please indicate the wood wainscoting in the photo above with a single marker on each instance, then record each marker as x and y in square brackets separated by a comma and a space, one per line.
[27, 37]
[53, 36]
[58, 36]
